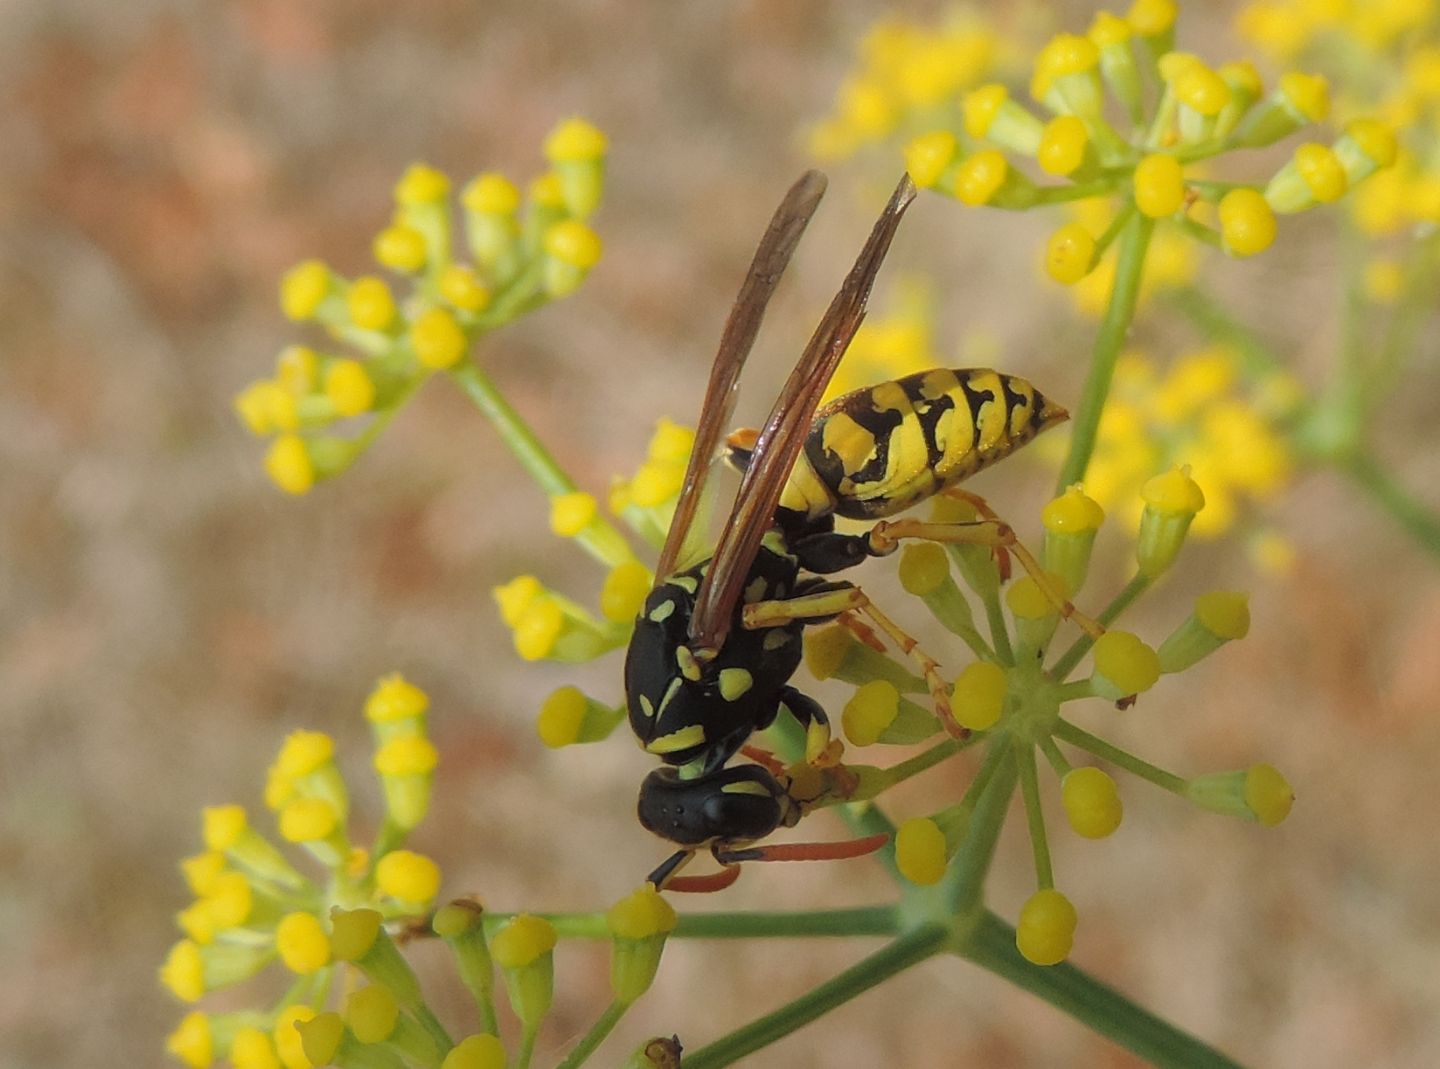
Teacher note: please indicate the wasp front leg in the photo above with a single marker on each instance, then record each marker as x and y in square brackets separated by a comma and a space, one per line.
[848, 598]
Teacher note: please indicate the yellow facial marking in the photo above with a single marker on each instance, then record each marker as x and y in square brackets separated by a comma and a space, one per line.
[774, 638]
[735, 682]
[687, 583]
[688, 665]
[755, 590]
[691, 735]
[660, 613]
[670, 692]
[745, 786]
[647, 707]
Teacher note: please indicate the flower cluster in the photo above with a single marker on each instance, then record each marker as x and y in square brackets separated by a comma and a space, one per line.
[1148, 147]
[1009, 699]
[254, 908]
[518, 252]
[907, 77]
[1202, 412]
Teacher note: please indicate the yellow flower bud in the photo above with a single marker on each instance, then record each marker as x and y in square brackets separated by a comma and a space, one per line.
[1159, 185]
[1046, 930]
[438, 340]
[920, 851]
[980, 176]
[1062, 145]
[979, 696]
[303, 288]
[927, 156]
[408, 876]
[1247, 223]
[1092, 802]
[400, 248]
[1069, 254]
[870, 710]
[421, 184]
[349, 387]
[288, 464]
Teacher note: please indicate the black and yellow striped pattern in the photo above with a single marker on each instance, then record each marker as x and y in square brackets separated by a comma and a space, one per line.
[879, 450]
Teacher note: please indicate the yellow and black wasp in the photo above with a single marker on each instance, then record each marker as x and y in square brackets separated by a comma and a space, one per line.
[716, 644]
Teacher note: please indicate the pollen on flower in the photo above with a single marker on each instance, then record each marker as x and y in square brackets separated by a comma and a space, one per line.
[515, 598]
[1092, 802]
[1306, 95]
[401, 248]
[461, 287]
[1126, 663]
[288, 464]
[1247, 222]
[372, 1013]
[406, 755]
[1267, 794]
[1062, 145]
[1173, 493]
[870, 710]
[571, 513]
[1108, 30]
[253, 1049]
[370, 303]
[538, 629]
[572, 242]
[624, 592]
[980, 177]
[927, 156]
[1224, 613]
[522, 940]
[184, 971]
[407, 876]
[303, 288]
[303, 752]
[1069, 254]
[306, 820]
[979, 696]
[981, 106]
[1159, 185]
[924, 568]
[575, 139]
[1202, 89]
[193, 1041]
[302, 943]
[222, 825]
[421, 184]
[561, 716]
[395, 698]
[491, 194]
[1322, 172]
[438, 340]
[1046, 930]
[1072, 512]
[288, 1043]
[641, 914]
[920, 851]
[349, 387]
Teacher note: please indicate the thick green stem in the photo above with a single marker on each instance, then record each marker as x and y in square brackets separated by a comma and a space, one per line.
[965, 882]
[991, 945]
[862, 920]
[908, 950]
[1129, 270]
[600, 539]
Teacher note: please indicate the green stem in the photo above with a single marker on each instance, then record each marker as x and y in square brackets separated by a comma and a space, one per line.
[1420, 522]
[863, 920]
[593, 1038]
[965, 882]
[991, 946]
[1129, 270]
[527, 1048]
[1034, 814]
[1068, 732]
[908, 950]
[600, 539]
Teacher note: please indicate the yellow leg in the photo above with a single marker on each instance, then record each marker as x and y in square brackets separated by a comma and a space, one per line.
[853, 599]
[994, 533]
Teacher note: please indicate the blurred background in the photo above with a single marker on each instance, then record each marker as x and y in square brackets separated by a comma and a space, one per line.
[167, 616]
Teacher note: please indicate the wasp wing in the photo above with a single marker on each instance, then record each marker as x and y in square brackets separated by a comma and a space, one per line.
[771, 257]
[784, 433]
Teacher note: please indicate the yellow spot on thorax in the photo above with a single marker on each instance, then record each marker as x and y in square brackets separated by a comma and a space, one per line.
[734, 682]
[690, 735]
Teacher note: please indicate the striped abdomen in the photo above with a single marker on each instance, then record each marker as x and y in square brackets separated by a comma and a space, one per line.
[881, 449]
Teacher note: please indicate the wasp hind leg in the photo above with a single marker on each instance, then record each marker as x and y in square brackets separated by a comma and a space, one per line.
[989, 531]
[848, 598]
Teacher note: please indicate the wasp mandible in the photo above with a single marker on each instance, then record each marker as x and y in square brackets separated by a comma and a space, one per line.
[717, 642]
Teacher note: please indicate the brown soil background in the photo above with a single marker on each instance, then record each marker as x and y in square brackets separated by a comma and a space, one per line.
[166, 616]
